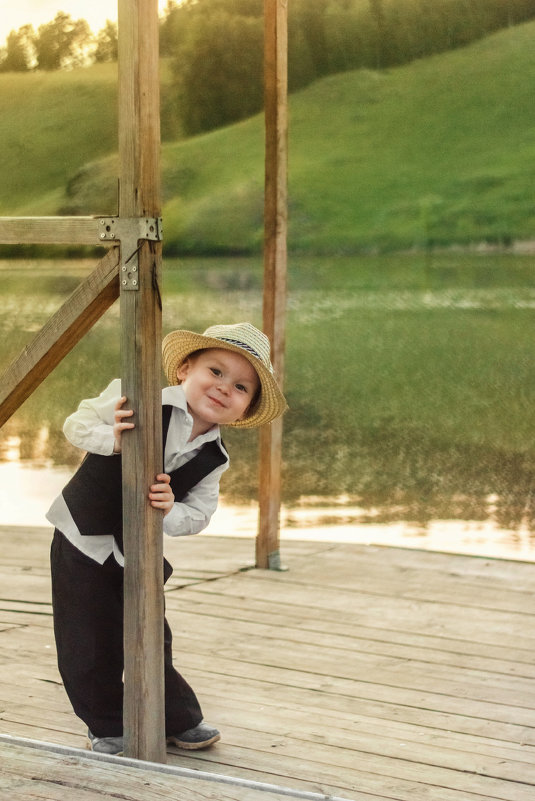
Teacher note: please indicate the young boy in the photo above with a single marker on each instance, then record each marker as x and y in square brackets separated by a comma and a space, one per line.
[221, 377]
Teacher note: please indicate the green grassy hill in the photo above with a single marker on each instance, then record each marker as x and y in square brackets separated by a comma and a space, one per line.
[51, 124]
[437, 152]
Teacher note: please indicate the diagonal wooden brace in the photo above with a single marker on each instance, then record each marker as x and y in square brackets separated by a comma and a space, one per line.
[60, 334]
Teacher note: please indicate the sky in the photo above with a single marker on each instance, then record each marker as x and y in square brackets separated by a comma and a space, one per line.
[16, 13]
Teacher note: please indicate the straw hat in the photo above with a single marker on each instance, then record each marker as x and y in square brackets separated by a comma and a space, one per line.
[242, 338]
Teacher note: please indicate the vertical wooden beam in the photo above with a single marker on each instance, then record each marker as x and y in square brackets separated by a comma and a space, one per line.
[139, 195]
[275, 259]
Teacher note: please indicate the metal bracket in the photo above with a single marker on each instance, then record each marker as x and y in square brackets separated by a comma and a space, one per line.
[129, 231]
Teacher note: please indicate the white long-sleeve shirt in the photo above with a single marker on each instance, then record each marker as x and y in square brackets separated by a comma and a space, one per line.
[90, 428]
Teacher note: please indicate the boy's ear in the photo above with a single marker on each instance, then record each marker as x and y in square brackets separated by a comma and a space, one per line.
[183, 370]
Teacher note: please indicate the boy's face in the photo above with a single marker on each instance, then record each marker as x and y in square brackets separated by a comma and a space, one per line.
[219, 385]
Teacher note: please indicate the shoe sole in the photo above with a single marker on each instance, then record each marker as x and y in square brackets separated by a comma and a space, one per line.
[171, 741]
[89, 747]
[193, 746]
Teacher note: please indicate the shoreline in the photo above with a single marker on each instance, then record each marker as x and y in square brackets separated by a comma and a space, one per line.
[317, 522]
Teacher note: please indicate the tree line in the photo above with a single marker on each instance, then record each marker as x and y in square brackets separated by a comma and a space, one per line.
[216, 46]
[63, 43]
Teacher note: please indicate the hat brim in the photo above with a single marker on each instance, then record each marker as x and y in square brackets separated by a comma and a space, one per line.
[178, 345]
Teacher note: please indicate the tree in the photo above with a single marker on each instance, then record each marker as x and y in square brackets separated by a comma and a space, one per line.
[378, 14]
[62, 43]
[19, 50]
[312, 18]
[219, 70]
[168, 32]
[217, 45]
[107, 43]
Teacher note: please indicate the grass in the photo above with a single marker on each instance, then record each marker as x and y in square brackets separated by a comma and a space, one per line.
[52, 124]
[437, 152]
[53, 127]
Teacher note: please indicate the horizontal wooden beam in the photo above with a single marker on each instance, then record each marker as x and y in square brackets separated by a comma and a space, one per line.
[51, 231]
[60, 334]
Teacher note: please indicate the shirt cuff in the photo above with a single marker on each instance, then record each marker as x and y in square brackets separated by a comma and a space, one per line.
[182, 520]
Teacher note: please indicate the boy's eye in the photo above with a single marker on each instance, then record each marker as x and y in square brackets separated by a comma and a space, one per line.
[215, 371]
[241, 388]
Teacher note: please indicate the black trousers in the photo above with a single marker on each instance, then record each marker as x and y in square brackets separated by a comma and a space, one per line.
[87, 601]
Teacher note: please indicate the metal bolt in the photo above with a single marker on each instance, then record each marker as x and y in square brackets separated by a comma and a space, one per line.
[134, 282]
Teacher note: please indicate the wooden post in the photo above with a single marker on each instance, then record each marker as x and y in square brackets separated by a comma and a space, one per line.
[139, 196]
[275, 258]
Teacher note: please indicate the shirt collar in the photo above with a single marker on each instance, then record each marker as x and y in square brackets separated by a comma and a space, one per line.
[174, 396]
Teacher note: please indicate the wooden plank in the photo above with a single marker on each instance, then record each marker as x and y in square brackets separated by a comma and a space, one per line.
[29, 772]
[407, 577]
[48, 772]
[22, 613]
[275, 264]
[472, 684]
[316, 724]
[446, 751]
[218, 626]
[50, 708]
[299, 699]
[335, 769]
[470, 772]
[27, 586]
[452, 701]
[361, 637]
[329, 604]
[411, 585]
[361, 673]
[59, 335]
[139, 144]
[512, 572]
[51, 230]
[30, 544]
[466, 595]
[355, 773]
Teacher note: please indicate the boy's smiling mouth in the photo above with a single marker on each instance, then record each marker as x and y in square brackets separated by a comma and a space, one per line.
[216, 401]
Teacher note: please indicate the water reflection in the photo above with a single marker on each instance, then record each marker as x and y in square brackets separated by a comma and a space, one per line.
[411, 397]
[338, 522]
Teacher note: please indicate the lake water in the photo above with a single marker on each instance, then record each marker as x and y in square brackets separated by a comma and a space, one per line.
[26, 492]
[411, 392]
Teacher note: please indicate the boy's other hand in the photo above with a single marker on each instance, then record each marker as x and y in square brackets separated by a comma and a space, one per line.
[121, 424]
[161, 495]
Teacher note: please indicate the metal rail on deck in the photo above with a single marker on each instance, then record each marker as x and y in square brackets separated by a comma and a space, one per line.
[173, 770]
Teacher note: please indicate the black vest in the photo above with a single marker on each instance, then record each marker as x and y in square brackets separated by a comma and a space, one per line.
[94, 493]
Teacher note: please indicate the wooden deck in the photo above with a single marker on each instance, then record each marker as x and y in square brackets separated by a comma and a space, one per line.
[360, 673]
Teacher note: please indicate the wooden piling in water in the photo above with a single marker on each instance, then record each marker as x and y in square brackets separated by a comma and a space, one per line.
[275, 264]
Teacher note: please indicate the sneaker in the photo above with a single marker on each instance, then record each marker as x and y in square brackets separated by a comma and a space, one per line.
[199, 737]
[105, 745]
